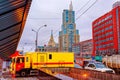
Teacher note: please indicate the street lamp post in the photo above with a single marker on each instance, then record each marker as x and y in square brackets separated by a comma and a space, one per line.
[36, 41]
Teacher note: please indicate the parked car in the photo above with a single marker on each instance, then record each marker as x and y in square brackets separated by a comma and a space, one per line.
[77, 66]
[98, 66]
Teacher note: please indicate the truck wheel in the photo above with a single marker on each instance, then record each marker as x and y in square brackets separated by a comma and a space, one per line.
[23, 73]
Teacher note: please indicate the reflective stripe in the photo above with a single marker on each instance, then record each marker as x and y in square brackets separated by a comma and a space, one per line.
[52, 63]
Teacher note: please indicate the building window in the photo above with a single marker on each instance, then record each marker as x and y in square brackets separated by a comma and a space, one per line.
[110, 16]
[111, 38]
[64, 31]
[111, 32]
[106, 28]
[102, 30]
[110, 27]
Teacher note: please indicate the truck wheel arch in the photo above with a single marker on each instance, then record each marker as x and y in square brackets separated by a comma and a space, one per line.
[23, 73]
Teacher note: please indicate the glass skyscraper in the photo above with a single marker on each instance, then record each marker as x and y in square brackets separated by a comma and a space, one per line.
[68, 35]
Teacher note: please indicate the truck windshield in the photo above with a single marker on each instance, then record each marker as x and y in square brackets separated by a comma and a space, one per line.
[20, 60]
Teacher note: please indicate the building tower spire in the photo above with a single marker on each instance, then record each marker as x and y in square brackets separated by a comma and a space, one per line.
[71, 6]
[51, 32]
[51, 41]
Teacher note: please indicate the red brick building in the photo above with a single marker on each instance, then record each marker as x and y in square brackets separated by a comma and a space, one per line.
[106, 32]
[83, 49]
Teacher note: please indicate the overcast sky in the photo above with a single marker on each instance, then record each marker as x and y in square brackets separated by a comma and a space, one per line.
[49, 12]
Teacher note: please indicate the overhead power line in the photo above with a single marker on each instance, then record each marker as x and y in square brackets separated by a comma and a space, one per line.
[82, 7]
[55, 35]
[86, 10]
[76, 13]
[46, 41]
[44, 18]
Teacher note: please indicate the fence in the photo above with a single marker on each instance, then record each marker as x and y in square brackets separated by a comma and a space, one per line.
[82, 74]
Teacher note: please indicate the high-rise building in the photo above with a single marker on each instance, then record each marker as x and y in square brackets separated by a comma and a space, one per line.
[106, 32]
[68, 35]
[51, 41]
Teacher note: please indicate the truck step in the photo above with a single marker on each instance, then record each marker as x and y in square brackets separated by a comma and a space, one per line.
[34, 72]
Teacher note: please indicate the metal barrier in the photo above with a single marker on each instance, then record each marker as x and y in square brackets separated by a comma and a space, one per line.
[82, 74]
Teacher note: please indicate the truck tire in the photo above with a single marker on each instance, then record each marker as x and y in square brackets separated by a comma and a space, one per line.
[22, 73]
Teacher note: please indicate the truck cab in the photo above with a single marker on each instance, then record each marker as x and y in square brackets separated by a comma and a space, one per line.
[17, 64]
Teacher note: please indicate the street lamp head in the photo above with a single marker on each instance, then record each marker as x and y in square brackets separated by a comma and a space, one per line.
[33, 30]
[45, 25]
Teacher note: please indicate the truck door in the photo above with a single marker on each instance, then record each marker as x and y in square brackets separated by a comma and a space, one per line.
[42, 60]
[27, 62]
[20, 63]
